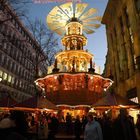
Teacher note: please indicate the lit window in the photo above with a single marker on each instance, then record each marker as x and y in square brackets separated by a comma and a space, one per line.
[5, 76]
[1, 72]
[9, 78]
[136, 67]
[131, 35]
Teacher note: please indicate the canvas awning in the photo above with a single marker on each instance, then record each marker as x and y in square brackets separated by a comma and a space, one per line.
[31, 103]
[45, 103]
[116, 101]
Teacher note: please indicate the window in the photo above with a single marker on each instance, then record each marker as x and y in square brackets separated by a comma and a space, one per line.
[4, 45]
[2, 28]
[0, 58]
[9, 78]
[137, 2]
[1, 7]
[129, 27]
[8, 49]
[123, 46]
[136, 66]
[7, 63]
[122, 27]
[13, 64]
[16, 55]
[23, 85]
[20, 84]
[1, 73]
[11, 49]
[5, 76]
[13, 52]
[15, 68]
[5, 60]
[131, 37]
[19, 58]
[10, 65]
[16, 82]
[22, 60]
[18, 70]
[12, 80]
[21, 72]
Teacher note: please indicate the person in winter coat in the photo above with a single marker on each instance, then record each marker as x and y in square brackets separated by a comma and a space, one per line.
[43, 128]
[77, 128]
[123, 127]
[93, 129]
[138, 123]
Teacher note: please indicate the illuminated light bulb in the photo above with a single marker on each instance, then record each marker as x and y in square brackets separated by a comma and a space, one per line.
[55, 77]
[104, 89]
[36, 83]
[122, 106]
[132, 109]
[91, 77]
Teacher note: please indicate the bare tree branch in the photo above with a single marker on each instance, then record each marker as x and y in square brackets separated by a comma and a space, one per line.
[46, 39]
[18, 7]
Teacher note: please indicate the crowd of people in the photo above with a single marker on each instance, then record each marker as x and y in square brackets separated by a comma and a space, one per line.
[18, 125]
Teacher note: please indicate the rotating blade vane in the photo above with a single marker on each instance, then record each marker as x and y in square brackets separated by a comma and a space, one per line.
[61, 15]
[88, 13]
[92, 19]
[87, 30]
[92, 25]
[80, 8]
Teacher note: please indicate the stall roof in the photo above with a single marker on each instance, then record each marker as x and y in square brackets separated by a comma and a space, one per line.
[116, 101]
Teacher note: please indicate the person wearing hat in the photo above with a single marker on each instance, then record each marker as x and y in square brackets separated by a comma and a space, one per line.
[93, 129]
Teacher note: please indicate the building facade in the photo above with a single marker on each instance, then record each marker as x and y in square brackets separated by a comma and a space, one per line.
[19, 57]
[122, 21]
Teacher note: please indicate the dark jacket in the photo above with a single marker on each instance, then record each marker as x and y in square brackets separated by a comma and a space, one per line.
[123, 129]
